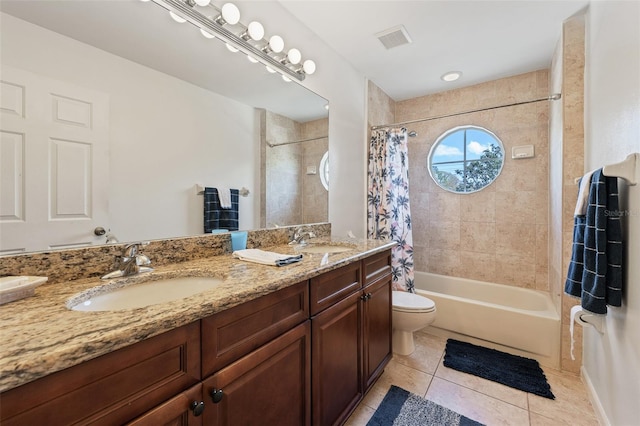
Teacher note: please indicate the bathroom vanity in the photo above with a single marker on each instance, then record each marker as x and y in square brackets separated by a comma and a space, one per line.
[297, 345]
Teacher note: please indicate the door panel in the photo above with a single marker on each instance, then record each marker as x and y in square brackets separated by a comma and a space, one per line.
[54, 163]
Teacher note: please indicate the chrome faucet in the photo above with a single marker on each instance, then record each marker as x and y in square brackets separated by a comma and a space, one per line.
[131, 262]
[300, 234]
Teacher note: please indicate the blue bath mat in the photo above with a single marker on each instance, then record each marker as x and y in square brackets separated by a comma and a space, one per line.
[402, 408]
[511, 370]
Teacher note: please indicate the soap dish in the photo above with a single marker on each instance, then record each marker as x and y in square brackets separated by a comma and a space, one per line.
[14, 288]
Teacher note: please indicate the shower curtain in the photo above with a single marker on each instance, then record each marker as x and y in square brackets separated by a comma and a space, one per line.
[388, 213]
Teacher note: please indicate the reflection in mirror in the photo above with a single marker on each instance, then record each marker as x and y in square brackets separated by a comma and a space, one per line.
[466, 159]
[294, 192]
[133, 124]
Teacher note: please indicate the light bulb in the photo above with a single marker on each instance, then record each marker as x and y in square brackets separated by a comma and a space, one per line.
[252, 59]
[177, 18]
[255, 30]
[276, 43]
[285, 78]
[309, 67]
[207, 34]
[231, 48]
[294, 56]
[451, 76]
[271, 70]
[230, 13]
[203, 3]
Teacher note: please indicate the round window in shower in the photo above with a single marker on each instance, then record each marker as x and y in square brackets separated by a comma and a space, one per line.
[466, 159]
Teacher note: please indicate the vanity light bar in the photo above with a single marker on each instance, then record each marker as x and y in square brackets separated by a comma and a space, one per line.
[194, 17]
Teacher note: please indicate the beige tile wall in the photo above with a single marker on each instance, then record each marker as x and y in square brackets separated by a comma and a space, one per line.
[291, 195]
[498, 234]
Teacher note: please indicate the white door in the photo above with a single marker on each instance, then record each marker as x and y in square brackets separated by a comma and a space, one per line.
[54, 163]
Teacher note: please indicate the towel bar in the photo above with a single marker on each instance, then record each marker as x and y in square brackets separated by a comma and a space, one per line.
[626, 169]
[244, 192]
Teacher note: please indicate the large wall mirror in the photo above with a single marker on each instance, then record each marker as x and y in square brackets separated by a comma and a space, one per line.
[112, 113]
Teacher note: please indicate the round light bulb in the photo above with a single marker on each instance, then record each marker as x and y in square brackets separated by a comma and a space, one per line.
[230, 13]
[285, 78]
[271, 70]
[309, 67]
[206, 34]
[203, 3]
[255, 30]
[252, 59]
[231, 48]
[276, 43]
[178, 19]
[294, 56]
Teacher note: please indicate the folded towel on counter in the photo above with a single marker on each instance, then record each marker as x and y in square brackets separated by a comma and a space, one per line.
[266, 257]
[224, 194]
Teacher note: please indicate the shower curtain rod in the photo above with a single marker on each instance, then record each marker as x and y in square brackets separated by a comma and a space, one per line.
[553, 97]
[271, 145]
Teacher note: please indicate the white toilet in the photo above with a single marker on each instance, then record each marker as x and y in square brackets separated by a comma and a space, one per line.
[411, 312]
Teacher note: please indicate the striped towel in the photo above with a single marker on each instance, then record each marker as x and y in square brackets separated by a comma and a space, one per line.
[217, 217]
[595, 271]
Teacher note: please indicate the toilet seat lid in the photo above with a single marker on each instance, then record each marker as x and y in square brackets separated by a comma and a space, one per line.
[411, 302]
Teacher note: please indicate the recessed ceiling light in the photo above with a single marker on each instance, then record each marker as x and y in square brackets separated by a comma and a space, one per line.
[451, 76]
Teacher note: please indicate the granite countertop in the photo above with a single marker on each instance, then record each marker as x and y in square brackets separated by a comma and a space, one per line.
[41, 335]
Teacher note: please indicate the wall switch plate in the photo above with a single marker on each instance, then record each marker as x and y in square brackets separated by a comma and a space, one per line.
[520, 152]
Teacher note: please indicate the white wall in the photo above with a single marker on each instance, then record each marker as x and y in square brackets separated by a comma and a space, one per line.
[165, 135]
[612, 121]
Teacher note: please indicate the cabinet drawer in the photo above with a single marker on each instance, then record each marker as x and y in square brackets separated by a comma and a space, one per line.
[233, 333]
[376, 266]
[176, 412]
[111, 389]
[331, 287]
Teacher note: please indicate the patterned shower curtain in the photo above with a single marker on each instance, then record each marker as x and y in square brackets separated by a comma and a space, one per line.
[388, 213]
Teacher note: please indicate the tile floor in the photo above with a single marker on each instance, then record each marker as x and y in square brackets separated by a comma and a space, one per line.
[482, 400]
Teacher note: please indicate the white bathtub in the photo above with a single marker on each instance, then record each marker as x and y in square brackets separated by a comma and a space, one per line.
[516, 320]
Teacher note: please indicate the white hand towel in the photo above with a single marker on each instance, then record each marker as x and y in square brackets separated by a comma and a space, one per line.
[266, 257]
[224, 194]
[583, 195]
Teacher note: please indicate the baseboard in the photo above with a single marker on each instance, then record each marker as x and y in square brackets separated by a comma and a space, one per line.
[593, 397]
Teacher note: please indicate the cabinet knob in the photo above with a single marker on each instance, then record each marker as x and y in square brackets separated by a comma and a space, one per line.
[197, 407]
[216, 395]
[366, 297]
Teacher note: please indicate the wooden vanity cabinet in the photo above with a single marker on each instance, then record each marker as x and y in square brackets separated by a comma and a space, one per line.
[377, 310]
[185, 409]
[111, 389]
[269, 386]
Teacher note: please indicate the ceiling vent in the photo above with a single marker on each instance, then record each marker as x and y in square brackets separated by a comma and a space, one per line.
[394, 37]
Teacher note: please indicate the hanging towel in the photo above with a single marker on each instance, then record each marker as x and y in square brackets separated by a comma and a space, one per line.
[266, 257]
[595, 271]
[215, 217]
[225, 198]
[583, 194]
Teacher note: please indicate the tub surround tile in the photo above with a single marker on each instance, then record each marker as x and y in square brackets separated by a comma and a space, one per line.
[478, 266]
[517, 239]
[478, 237]
[444, 235]
[515, 270]
[478, 207]
[45, 336]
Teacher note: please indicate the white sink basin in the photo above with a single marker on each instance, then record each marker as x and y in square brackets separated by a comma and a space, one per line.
[148, 293]
[324, 248]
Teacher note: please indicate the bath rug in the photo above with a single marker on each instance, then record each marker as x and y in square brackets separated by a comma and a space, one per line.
[511, 370]
[401, 407]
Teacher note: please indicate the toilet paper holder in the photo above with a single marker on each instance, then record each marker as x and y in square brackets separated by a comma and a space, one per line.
[588, 319]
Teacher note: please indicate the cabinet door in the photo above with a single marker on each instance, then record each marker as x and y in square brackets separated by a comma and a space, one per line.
[183, 410]
[269, 386]
[377, 329]
[336, 360]
[112, 389]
